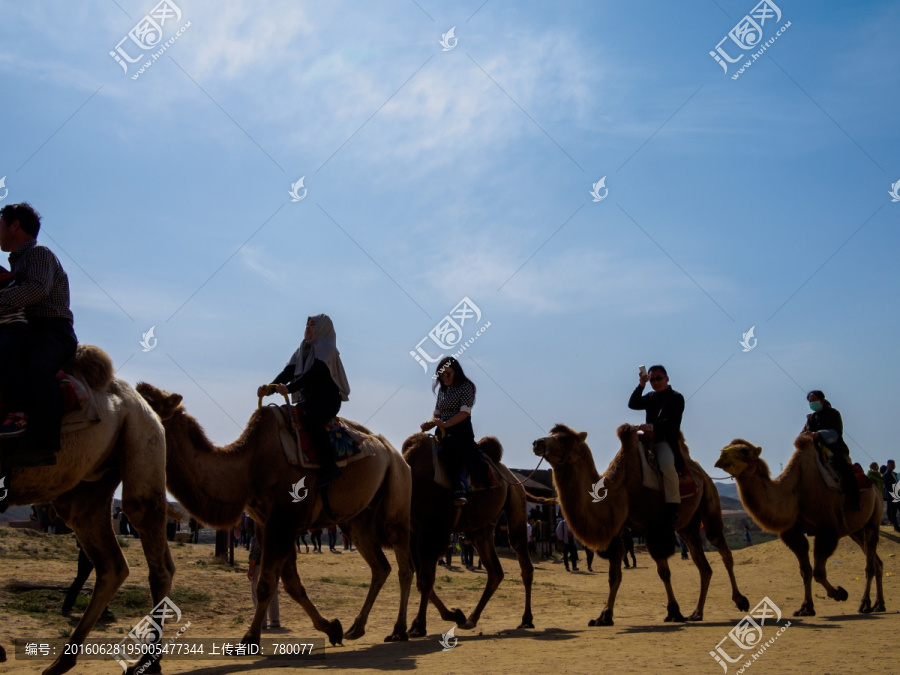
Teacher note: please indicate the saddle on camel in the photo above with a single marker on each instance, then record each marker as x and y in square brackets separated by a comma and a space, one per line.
[36, 340]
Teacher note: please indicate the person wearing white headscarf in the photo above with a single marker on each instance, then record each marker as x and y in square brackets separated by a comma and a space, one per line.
[315, 378]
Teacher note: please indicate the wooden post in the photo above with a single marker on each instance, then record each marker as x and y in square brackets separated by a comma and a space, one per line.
[222, 543]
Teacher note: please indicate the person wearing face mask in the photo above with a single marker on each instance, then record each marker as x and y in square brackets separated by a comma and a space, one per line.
[315, 378]
[825, 425]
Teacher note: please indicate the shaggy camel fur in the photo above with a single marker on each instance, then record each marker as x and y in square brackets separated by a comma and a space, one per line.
[370, 501]
[127, 446]
[598, 524]
[798, 503]
[434, 517]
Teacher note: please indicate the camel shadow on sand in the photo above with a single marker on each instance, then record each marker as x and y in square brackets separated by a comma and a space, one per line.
[388, 657]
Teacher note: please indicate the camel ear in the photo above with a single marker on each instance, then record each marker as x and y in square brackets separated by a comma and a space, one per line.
[173, 400]
[582, 437]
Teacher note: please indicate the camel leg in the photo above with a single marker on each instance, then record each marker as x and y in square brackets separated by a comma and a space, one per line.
[823, 548]
[455, 615]
[874, 569]
[516, 507]
[672, 609]
[426, 569]
[715, 534]
[147, 513]
[691, 535]
[294, 587]
[364, 533]
[797, 542]
[484, 544]
[86, 509]
[616, 552]
[380, 570]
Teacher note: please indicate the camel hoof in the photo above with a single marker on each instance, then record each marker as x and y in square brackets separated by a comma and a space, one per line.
[865, 607]
[415, 632]
[397, 637]
[355, 633]
[2, 654]
[151, 667]
[676, 617]
[696, 616]
[250, 639]
[526, 624]
[879, 606]
[459, 618]
[335, 633]
[742, 603]
[605, 619]
[841, 595]
[806, 609]
[469, 625]
[61, 665]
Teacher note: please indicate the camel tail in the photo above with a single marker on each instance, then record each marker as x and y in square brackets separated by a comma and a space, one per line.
[540, 500]
[94, 365]
[491, 447]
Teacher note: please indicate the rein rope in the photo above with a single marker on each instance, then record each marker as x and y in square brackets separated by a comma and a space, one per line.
[527, 478]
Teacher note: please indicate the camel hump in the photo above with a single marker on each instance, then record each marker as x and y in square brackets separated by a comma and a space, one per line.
[94, 366]
[491, 447]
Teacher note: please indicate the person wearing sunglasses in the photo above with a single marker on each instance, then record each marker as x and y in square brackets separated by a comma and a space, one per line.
[664, 408]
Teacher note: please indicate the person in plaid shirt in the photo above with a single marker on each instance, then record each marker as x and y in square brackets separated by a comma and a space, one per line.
[33, 399]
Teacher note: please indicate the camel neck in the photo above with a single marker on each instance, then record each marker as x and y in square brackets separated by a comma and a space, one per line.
[772, 503]
[594, 523]
[212, 483]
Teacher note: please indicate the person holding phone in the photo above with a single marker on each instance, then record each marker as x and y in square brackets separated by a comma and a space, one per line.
[664, 408]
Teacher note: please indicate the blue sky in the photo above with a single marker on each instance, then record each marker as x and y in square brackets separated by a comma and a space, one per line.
[436, 175]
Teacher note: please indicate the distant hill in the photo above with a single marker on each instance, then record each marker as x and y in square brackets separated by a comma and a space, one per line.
[15, 513]
[24, 512]
[728, 489]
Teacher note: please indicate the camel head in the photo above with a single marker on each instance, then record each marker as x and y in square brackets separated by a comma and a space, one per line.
[738, 456]
[562, 446]
[162, 402]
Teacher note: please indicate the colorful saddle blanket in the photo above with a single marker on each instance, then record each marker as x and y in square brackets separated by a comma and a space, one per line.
[348, 444]
[688, 485]
[469, 482]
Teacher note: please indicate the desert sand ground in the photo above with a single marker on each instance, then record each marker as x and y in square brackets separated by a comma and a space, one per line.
[216, 599]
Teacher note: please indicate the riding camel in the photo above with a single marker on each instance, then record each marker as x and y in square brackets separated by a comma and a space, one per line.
[597, 523]
[126, 446]
[434, 517]
[798, 503]
[370, 501]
